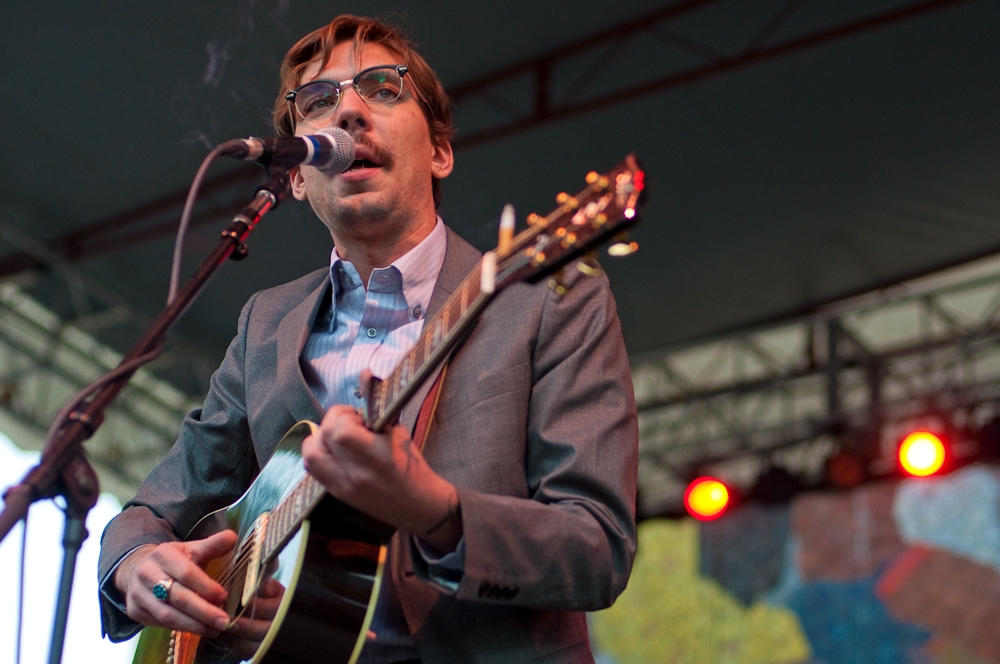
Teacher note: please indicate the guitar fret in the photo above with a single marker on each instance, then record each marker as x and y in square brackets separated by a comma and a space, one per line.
[277, 519]
[385, 388]
[283, 521]
[381, 401]
[409, 367]
[438, 325]
[314, 489]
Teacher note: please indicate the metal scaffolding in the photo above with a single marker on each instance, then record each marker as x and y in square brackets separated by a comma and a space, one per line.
[680, 44]
[788, 393]
[853, 377]
[45, 359]
[44, 362]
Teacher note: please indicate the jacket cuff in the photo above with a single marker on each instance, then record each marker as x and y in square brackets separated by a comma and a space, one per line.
[445, 571]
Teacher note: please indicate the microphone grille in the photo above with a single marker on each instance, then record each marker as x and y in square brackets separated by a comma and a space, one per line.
[343, 150]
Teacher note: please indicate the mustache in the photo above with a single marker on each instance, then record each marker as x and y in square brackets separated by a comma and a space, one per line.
[380, 152]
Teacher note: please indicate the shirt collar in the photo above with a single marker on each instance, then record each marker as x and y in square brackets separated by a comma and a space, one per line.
[418, 270]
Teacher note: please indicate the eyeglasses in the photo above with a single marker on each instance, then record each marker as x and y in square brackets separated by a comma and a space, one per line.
[376, 85]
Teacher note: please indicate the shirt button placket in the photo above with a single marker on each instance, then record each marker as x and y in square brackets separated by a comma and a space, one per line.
[372, 332]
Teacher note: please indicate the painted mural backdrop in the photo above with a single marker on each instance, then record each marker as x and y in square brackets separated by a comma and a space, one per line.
[895, 572]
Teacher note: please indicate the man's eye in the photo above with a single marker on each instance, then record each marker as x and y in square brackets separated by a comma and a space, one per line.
[318, 104]
[384, 92]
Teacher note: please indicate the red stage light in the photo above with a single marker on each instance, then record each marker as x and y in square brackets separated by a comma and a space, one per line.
[921, 454]
[706, 498]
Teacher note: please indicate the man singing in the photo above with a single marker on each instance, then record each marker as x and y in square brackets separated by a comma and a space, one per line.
[518, 514]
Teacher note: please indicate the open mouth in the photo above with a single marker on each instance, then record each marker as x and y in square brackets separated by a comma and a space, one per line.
[359, 164]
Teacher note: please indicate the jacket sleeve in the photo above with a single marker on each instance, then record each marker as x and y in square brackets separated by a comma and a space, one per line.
[208, 467]
[563, 536]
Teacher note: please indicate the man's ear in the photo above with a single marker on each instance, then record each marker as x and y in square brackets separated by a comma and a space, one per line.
[298, 184]
[443, 160]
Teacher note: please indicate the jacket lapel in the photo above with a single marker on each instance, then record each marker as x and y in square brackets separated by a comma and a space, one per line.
[459, 259]
[292, 333]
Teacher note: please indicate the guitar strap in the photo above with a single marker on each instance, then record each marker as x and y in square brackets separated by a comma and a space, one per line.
[426, 415]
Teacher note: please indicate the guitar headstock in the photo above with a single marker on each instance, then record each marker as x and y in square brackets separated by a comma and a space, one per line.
[605, 208]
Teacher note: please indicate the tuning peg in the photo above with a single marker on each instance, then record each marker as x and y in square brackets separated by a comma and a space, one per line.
[622, 246]
[588, 265]
[566, 238]
[556, 283]
[568, 202]
[507, 223]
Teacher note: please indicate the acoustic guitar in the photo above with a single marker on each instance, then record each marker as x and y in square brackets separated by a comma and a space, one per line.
[329, 557]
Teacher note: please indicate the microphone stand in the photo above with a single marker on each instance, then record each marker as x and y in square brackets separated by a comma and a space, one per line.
[63, 468]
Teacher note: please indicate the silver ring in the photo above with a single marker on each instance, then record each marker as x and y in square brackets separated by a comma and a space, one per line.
[162, 589]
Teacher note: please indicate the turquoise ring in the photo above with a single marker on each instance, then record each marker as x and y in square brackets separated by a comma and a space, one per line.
[162, 590]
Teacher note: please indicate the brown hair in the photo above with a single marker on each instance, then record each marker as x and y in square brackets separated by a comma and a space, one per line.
[319, 44]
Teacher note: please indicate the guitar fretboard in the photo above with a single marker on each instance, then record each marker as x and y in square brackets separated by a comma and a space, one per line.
[286, 518]
[439, 335]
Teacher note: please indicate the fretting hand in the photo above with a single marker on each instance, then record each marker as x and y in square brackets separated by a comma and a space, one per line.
[384, 476]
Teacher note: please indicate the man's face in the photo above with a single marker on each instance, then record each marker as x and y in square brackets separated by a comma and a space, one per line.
[388, 188]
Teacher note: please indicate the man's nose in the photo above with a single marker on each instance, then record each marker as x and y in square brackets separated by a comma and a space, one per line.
[352, 111]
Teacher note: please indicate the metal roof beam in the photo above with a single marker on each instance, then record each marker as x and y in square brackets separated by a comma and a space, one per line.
[760, 47]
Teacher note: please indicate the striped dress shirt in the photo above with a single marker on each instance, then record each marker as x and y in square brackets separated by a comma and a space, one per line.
[373, 329]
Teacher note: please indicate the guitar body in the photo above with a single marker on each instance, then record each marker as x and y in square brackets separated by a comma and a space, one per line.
[331, 570]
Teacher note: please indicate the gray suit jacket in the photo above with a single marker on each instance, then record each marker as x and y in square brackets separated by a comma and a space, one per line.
[536, 426]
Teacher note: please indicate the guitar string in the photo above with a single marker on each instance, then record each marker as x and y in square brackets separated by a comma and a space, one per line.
[241, 560]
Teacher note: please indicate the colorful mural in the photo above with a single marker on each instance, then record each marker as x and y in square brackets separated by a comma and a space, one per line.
[896, 572]
[669, 613]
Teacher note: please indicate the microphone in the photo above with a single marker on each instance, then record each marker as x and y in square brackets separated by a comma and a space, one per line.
[330, 151]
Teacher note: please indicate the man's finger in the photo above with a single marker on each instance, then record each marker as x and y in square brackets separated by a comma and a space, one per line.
[151, 611]
[188, 568]
[252, 629]
[183, 571]
[195, 606]
[365, 382]
[181, 596]
[212, 547]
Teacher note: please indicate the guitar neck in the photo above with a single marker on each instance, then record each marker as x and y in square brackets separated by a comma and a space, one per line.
[440, 334]
[285, 519]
